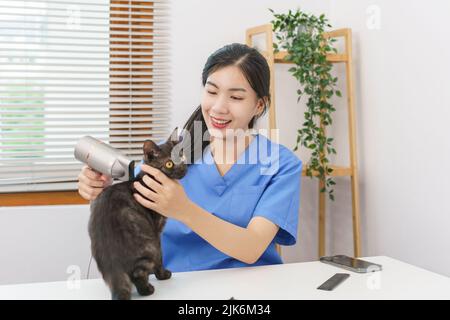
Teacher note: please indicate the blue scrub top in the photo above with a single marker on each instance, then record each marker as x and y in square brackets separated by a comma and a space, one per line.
[265, 182]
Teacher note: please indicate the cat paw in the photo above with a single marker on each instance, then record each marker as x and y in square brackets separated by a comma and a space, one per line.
[146, 291]
[164, 275]
[121, 295]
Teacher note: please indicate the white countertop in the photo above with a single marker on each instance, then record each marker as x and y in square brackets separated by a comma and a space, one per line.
[398, 280]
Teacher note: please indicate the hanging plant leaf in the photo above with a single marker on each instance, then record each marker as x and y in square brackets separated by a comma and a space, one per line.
[301, 35]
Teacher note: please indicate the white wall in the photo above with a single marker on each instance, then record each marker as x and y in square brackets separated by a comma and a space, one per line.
[44, 243]
[402, 104]
[201, 27]
[402, 88]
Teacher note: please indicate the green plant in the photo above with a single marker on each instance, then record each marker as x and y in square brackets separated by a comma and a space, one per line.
[301, 35]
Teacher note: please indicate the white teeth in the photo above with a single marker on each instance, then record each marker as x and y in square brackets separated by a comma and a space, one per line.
[221, 121]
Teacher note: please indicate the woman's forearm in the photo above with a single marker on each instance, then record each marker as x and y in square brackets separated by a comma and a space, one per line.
[240, 243]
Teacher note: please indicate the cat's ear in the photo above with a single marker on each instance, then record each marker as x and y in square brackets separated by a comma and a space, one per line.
[174, 136]
[151, 149]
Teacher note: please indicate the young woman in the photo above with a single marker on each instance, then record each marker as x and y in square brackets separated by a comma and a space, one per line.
[228, 211]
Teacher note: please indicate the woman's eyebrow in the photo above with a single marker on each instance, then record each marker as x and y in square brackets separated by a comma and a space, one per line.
[231, 89]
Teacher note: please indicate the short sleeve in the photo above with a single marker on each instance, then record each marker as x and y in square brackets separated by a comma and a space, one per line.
[280, 201]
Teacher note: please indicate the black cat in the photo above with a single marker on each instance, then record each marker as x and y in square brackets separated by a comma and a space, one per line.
[125, 236]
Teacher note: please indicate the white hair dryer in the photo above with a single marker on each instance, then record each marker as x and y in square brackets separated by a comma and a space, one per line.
[104, 159]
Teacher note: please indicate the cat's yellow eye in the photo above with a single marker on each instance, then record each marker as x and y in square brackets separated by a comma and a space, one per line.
[169, 164]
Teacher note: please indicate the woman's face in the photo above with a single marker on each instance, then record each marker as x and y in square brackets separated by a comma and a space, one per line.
[228, 102]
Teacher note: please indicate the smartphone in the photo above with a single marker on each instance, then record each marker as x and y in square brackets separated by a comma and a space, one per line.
[352, 264]
[334, 281]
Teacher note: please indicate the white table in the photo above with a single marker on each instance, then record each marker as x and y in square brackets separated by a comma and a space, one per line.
[398, 280]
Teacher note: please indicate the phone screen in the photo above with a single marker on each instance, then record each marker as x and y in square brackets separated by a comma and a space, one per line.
[351, 262]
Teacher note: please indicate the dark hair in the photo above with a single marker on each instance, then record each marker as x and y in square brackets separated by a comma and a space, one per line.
[256, 70]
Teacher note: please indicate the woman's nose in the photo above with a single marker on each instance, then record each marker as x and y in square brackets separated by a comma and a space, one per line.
[220, 106]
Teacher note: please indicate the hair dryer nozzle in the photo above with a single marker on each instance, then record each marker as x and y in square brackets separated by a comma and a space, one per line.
[104, 159]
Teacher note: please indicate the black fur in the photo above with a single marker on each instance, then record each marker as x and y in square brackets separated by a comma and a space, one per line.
[125, 236]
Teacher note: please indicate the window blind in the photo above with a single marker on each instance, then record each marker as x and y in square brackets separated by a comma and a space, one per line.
[70, 68]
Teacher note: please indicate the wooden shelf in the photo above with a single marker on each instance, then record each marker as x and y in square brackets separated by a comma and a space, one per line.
[338, 171]
[280, 57]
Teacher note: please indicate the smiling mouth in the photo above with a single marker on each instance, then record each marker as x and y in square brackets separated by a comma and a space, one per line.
[219, 123]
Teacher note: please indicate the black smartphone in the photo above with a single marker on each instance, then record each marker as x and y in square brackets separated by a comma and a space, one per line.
[352, 264]
[334, 281]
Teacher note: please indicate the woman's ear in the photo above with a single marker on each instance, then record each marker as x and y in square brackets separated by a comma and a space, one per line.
[260, 106]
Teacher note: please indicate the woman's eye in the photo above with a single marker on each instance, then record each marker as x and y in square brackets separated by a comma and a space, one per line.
[237, 98]
[211, 92]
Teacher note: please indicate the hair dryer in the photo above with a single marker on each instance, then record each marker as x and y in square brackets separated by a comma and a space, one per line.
[104, 159]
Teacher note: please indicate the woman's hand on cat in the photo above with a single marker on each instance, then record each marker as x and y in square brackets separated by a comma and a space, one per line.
[92, 183]
[168, 196]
